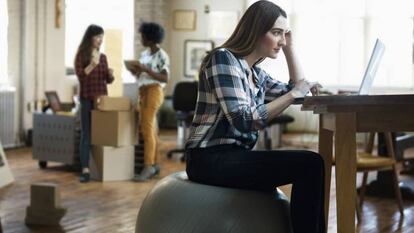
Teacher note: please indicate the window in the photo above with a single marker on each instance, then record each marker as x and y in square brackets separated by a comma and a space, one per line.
[334, 39]
[106, 13]
[3, 42]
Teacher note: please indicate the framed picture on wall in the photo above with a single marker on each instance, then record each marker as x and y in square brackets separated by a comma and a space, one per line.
[194, 52]
[184, 20]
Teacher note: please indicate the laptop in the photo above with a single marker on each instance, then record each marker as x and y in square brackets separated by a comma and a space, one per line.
[370, 71]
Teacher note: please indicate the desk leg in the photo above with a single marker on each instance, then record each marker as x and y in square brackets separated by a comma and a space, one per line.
[325, 150]
[345, 156]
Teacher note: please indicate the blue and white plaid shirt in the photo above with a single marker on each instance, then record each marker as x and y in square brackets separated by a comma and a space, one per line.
[228, 110]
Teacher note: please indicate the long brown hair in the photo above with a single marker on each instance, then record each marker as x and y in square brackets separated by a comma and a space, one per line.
[85, 48]
[258, 19]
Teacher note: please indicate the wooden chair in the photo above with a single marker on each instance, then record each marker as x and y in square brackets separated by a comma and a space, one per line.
[367, 162]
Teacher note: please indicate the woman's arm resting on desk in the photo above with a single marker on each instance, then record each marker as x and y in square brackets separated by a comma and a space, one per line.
[277, 106]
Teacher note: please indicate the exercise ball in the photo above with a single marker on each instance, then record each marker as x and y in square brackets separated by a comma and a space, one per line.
[178, 205]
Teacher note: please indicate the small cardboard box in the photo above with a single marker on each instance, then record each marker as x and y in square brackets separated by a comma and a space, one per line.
[112, 163]
[44, 196]
[47, 217]
[44, 206]
[114, 128]
[106, 103]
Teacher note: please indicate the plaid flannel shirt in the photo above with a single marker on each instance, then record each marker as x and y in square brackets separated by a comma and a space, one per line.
[228, 110]
[94, 84]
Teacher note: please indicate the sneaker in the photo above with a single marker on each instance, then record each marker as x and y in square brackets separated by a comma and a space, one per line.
[157, 169]
[147, 173]
[84, 178]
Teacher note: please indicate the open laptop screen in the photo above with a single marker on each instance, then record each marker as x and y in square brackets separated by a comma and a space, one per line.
[370, 71]
[372, 68]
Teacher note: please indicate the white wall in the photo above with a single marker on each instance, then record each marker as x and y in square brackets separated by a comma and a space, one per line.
[4, 21]
[52, 43]
[13, 42]
[36, 52]
[14, 62]
[201, 32]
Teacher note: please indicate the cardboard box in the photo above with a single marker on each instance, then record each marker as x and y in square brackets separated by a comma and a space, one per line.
[44, 206]
[112, 163]
[113, 128]
[44, 196]
[47, 217]
[106, 103]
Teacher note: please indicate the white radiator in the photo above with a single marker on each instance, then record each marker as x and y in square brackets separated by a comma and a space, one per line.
[8, 132]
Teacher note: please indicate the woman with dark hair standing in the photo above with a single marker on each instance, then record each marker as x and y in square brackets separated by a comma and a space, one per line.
[236, 99]
[152, 76]
[93, 73]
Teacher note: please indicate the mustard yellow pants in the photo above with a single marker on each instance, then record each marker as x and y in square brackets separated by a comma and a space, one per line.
[151, 98]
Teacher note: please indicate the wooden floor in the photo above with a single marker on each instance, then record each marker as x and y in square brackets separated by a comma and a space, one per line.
[113, 206]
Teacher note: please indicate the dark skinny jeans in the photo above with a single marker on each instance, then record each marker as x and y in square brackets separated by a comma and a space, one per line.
[236, 167]
[85, 142]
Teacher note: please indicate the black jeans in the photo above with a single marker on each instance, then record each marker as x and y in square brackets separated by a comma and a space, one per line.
[85, 142]
[236, 167]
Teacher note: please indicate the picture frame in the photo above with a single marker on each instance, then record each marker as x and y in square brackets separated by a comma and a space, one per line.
[184, 20]
[53, 100]
[194, 52]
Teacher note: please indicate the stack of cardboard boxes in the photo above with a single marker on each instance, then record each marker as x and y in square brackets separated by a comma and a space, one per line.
[113, 139]
[44, 206]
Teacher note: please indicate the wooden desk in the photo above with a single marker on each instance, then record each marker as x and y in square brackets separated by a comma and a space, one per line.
[341, 117]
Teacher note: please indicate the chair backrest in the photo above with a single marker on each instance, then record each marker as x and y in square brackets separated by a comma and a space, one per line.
[185, 96]
[388, 144]
[369, 147]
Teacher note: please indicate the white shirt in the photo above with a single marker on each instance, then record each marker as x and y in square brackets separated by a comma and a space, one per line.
[157, 62]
